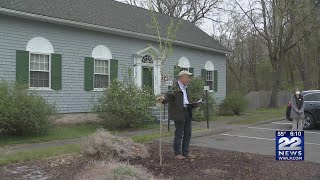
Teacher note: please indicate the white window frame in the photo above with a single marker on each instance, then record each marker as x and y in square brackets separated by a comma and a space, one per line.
[94, 74]
[40, 88]
[207, 80]
[42, 46]
[209, 66]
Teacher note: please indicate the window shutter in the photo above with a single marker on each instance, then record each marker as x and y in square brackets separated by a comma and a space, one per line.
[176, 71]
[204, 75]
[191, 70]
[215, 82]
[22, 67]
[88, 73]
[56, 71]
[113, 69]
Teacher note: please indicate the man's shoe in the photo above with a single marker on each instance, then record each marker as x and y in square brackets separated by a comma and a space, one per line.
[190, 156]
[180, 157]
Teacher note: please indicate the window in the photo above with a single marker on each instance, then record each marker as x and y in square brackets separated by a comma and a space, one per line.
[39, 70]
[208, 74]
[209, 79]
[147, 59]
[312, 97]
[101, 73]
[184, 64]
[39, 67]
[100, 69]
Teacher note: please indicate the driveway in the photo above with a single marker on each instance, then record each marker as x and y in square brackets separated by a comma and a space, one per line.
[259, 139]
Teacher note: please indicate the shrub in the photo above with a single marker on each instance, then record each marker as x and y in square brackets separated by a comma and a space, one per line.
[234, 103]
[23, 113]
[125, 106]
[103, 145]
[196, 92]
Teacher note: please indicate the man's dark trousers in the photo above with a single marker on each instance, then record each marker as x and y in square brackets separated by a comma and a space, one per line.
[183, 132]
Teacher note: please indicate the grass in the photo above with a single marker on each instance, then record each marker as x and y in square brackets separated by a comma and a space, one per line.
[55, 133]
[251, 117]
[62, 132]
[280, 110]
[38, 153]
[151, 137]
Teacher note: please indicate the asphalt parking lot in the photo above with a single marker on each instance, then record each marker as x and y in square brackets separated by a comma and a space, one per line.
[260, 139]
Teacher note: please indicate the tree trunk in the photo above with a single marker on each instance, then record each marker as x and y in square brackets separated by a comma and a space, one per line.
[306, 73]
[275, 82]
[275, 89]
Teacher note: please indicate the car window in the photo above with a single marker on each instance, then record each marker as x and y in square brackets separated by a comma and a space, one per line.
[312, 97]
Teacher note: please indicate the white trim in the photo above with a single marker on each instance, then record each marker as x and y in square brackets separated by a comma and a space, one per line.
[151, 50]
[116, 31]
[40, 88]
[101, 52]
[98, 89]
[209, 66]
[184, 62]
[157, 77]
[138, 65]
[39, 45]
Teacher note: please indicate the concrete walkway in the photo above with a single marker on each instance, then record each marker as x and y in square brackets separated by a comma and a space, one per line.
[215, 127]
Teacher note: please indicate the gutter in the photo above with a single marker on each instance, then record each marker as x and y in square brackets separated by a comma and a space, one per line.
[110, 30]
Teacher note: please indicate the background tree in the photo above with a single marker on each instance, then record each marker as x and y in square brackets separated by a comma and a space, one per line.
[194, 11]
[277, 23]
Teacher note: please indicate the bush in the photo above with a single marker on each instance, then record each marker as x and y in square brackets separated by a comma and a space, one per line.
[103, 145]
[125, 106]
[234, 103]
[196, 92]
[23, 113]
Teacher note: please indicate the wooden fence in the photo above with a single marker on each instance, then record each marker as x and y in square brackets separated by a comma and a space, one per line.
[261, 99]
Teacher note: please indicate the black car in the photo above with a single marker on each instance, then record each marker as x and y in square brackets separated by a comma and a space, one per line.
[311, 110]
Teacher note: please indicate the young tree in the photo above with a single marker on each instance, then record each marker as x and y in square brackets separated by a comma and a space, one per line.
[165, 36]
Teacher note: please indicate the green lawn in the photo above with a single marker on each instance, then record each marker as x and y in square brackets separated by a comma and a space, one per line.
[38, 153]
[250, 117]
[55, 133]
[60, 133]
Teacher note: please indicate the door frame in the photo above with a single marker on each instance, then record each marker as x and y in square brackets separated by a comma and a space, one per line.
[138, 65]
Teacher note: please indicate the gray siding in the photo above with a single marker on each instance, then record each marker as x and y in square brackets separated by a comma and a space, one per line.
[75, 44]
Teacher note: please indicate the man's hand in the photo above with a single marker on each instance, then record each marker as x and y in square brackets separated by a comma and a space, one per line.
[300, 111]
[160, 99]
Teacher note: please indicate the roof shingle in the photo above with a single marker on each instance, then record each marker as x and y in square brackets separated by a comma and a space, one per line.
[113, 14]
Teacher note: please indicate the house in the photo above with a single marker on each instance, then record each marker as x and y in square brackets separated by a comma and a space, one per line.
[68, 51]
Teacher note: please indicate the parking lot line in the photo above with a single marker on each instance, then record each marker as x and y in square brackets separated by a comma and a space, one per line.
[281, 123]
[249, 137]
[281, 130]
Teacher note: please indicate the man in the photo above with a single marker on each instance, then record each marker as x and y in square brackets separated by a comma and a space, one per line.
[181, 112]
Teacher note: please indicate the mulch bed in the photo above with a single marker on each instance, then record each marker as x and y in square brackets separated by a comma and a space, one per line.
[209, 164]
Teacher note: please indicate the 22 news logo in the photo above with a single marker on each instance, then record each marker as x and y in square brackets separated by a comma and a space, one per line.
[290, 145]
